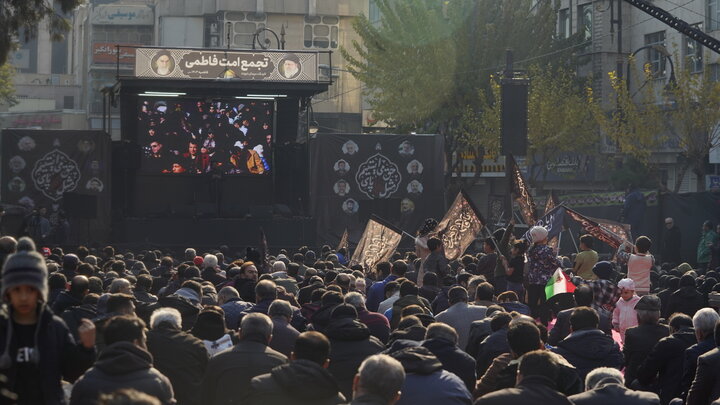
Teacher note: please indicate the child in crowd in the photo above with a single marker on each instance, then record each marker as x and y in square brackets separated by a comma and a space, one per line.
[624, 315]
[639, 262]
[515, 268]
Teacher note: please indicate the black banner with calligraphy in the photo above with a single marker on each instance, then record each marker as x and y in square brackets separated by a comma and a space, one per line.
[553, 221]
[159, 63]
[596, 229]
[520, 190]
[397, 177]
[41, 167]
[460, 226]
[377, 244]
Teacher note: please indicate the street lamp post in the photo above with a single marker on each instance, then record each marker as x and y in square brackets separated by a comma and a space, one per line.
[266, 43]
[661, 49]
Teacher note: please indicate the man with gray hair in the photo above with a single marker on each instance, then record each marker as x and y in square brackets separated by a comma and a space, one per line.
[190, 254]
[211, 272]
[441, 339]
[228, 374]
[378, 381]
[704, 322]
[378, 324]
[230, 301]
[180, 356]
[605, 385]
[121, 285]
[281, 278]
[284, 335]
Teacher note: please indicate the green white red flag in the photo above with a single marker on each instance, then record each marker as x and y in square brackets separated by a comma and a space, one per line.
[559, 283]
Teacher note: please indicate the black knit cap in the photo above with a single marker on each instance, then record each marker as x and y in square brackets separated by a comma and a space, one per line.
[25, 268]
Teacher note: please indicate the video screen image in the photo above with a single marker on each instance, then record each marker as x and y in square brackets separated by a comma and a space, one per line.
[186, 136]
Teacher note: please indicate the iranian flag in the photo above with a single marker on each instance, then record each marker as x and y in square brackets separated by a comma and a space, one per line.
[559, 283]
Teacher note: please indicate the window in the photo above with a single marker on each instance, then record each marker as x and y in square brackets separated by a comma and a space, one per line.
[656, 58]
[693, 53]
[321, 32]
[585, 17]
[243, 27]
[714, 72]
[713, 14]
[564, 23]
[374, 13]
[25, 58]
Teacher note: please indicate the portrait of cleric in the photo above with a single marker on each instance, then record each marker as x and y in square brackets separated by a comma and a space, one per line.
[192, 137]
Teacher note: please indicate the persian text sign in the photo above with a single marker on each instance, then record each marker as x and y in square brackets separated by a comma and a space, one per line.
[213, 64]
[104, 52]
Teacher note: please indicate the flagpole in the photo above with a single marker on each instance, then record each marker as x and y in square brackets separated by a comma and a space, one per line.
[573, 240]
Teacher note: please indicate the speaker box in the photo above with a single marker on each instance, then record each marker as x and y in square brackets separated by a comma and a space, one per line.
[80, 205]
[514, 117]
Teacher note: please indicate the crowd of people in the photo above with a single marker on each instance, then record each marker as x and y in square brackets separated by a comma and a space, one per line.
[304, 326]
[199, 137]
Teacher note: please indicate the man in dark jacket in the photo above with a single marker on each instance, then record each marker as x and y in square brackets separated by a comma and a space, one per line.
[124, 363]
[672, 243]
[706, 385]
[583, 298]
[640, 340]
[79, 286]
[228, 373]
[704, 323]
[442, 340]
[495, 344]
[265, 294]
[378, 381]
[536, 375]
[426, 382]
[233, 306]
[178, 355]
[524, 337]
[73, 316]
[376, 323]
[587, 347]
[284, 335]
[350, 344]
[605, 386]
[305, 380]
[665, 357]
[687, 299]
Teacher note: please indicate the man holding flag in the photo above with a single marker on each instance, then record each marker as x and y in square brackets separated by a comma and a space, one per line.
[542, 264]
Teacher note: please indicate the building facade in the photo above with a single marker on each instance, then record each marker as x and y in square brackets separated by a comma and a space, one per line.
[59, 84]
[614, 31]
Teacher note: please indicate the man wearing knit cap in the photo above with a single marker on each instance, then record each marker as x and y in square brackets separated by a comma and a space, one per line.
[605, 292]
[38, 351]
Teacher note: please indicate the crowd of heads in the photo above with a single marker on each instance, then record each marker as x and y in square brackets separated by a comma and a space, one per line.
[327, 331]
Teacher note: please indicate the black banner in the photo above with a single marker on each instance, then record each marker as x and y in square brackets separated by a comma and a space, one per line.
[40, 167]
[377, 244]
[397, 177]
[460, 226]
[521, 191]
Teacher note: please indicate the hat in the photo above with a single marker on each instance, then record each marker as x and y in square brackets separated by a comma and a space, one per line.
[627, 284]
[70, 261]
[684, 268]
[603, 269]
[344, 311]
[198, 261]
[46, 251]
[648, 303]
[687, 280]
[25, 268]
[538, 233]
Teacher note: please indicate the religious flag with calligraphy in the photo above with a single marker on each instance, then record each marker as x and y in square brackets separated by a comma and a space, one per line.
[520, 191]
[263, 250]
[596, 229]
[459, 227]
[620, 229]
[343, 241]
[377, 244]
[550, 204]
[552, 221]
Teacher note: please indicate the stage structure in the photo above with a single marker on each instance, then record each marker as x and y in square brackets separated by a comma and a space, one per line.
[214, 145]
